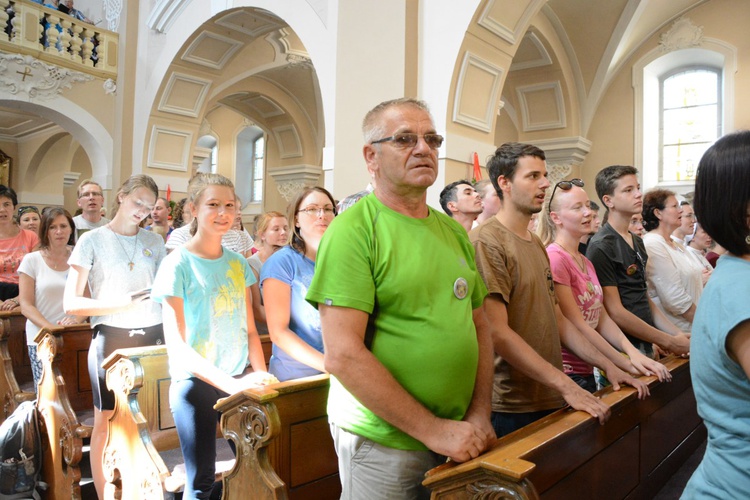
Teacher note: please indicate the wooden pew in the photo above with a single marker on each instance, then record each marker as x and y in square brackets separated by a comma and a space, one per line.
[142, 425]
[569, 455]
[64, 390]
[14, 356]
[284, 445]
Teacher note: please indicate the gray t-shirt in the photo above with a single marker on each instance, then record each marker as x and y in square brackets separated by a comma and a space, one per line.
[82, 225]
[107, 255]
[255, 263]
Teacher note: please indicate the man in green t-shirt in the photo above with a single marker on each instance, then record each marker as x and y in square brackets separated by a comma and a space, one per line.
[404, 332]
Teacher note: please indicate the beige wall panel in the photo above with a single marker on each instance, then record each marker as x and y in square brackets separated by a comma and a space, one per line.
[169, 148]
[211, 50]
[542, 106]
[478, 90]
[502, 23]
[184, 95]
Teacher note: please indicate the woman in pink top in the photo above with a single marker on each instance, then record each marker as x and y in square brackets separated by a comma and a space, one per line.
[566, 218]
[14, 244]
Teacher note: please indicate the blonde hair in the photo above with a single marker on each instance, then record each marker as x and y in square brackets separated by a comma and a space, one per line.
[134, 182]
[198, 185]
[264, 220]
[545, 228]
[87, 182]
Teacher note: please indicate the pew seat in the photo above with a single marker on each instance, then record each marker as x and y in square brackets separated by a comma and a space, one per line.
[569, 455]
[284, 445]
[64, 395]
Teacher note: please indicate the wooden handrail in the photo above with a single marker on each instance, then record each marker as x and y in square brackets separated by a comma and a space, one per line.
[543, 456]
[283, 441]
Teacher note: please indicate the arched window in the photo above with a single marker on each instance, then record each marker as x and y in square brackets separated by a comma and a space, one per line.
[259, 154]
[250, 161]
[666, 89]
[690, 119]
[214, 158]
[208, 148]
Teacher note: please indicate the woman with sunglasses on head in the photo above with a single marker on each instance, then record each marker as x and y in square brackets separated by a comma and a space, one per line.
[118, 263]
[14, 244]
[42, 276]
[29, 218]
[567, 218]
[720, 345]
[674, 280]
[294, 324]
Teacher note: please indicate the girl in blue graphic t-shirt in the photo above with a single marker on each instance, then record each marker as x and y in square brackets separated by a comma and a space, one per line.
[208, 326]
[294, 324]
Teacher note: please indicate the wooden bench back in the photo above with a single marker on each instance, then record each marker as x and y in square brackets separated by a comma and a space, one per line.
[140, 425]
[569, 455]
[284, 445]
[15, 367]
[63, 390]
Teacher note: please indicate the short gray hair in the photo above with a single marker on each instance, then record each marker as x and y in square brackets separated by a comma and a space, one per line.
[372, 129]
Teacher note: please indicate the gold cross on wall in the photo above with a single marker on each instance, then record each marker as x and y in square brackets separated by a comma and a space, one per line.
[26, 72]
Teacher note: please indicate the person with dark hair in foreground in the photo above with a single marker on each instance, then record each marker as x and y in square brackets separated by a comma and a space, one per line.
[720, 357]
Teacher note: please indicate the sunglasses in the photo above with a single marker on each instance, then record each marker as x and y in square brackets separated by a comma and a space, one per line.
[409, 140]
[565, 186]
[26, 209]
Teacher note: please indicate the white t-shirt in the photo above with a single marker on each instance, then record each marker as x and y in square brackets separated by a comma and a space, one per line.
[106, 255]
[48, 291]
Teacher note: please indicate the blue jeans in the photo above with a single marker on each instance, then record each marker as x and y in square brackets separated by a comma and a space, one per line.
[504, 423]
[192, 403]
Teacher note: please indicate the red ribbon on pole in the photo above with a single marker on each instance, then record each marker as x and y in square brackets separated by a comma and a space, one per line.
[477, 170]
[169, 193]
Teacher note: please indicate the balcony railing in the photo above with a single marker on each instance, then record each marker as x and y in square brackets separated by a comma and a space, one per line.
[55, 37]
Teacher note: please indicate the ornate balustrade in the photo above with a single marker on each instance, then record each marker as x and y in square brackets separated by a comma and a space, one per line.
[28, 28]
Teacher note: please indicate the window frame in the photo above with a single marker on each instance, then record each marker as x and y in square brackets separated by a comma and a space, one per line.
[662, 78]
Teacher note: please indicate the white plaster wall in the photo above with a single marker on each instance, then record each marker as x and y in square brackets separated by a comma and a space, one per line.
[442, 27]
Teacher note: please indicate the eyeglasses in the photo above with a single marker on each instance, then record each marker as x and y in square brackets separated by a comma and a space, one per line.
[313, 211]
[26, 209]
[90, 194]
[565, 186]
[409, 140]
